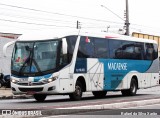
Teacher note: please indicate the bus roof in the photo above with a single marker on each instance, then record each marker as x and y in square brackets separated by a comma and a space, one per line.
[54, 34]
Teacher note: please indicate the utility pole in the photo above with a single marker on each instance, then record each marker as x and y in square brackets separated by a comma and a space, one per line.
[127, 19]
[78, 25]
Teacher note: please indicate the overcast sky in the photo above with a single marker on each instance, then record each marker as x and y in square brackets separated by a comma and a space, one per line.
[15, 16]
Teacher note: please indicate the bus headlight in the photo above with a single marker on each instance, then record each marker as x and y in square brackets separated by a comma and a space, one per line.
[52, 79]
[14, 81]
[45, 81]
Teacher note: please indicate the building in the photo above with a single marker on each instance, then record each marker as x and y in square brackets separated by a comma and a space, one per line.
[5, 61]
[9, 35]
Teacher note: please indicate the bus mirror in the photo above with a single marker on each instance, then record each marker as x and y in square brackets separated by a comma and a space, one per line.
[64, 46]
[6, 46]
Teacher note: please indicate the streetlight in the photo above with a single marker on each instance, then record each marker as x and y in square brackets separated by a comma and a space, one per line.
[126, 17]
[112, 12]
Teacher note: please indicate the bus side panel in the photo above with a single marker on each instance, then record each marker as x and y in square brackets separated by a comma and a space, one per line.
[142, 78]
[146, 80]
[65, 81]
[155, 79]
[95, 74]
[118, 72]
[92, 71]
[154, 71]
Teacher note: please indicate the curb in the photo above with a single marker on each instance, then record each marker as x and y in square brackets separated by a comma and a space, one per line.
[9, 95]
[109, 107]
[118, 105]
[15, 97]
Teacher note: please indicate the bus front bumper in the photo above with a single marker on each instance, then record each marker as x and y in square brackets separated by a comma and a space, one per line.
[49, 88]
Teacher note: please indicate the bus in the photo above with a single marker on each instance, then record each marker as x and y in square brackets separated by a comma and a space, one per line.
[70, 63]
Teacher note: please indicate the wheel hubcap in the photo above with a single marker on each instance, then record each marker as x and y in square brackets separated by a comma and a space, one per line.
[78, 91]
[133, 88]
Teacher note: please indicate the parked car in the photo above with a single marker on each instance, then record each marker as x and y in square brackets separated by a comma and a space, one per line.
[5, 80]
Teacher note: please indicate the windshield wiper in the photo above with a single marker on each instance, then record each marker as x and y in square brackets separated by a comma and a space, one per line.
[26, 61]
[35, 63]
[30, 60]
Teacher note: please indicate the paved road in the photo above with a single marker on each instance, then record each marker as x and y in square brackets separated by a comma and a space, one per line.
[147, 111]
[62, 102]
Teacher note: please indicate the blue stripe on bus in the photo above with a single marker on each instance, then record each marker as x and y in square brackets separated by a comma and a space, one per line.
[36, 79]
[81, 65]
[115, 70]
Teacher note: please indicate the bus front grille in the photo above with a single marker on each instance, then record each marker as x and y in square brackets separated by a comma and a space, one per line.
[31, 89]
[31, 84]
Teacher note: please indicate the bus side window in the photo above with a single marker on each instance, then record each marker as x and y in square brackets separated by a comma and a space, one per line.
[115, 50]
[155, 47]
[89, 48]
[101, 48]
[86, 48]
[128, 51]
[132, 50]
[139, 50]
[149, 51]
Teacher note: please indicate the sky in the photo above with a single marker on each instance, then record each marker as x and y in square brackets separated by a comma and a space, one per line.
[20, 16]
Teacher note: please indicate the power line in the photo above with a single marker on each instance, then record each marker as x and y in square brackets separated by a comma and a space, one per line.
[74, 27]
[144, 26]
[98, 20]
[51, 20]
[34, 23]
[37, 18]
[36, 10]
[46, 19]
[51, 24]
[20, 27]
[85, 24]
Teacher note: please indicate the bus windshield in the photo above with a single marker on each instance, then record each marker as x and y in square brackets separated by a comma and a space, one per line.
[35, 57]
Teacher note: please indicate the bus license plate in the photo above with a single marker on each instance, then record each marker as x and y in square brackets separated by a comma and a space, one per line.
[30, 92]
[23, 80]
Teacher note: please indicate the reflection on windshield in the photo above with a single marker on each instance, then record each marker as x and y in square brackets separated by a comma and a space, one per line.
[22, 56]
[33, 57]
[45, 54]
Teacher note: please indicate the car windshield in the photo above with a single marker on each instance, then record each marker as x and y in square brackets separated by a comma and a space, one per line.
[35, 57]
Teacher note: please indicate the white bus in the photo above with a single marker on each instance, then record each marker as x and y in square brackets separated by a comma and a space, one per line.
[49, 64]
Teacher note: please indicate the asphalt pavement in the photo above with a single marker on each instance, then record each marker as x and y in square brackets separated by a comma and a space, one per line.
[62, 105]
[6, 93]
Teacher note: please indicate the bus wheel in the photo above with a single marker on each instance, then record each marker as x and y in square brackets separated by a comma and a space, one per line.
[77, 95]
[99, 94]
[40, 97]
[133, 89]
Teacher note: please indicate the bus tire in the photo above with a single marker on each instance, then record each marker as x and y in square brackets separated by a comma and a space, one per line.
[99, 94]
[77, 94]
[133, 89]
[39, 97]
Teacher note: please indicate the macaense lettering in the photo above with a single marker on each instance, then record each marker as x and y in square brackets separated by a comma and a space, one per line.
[117, 66]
